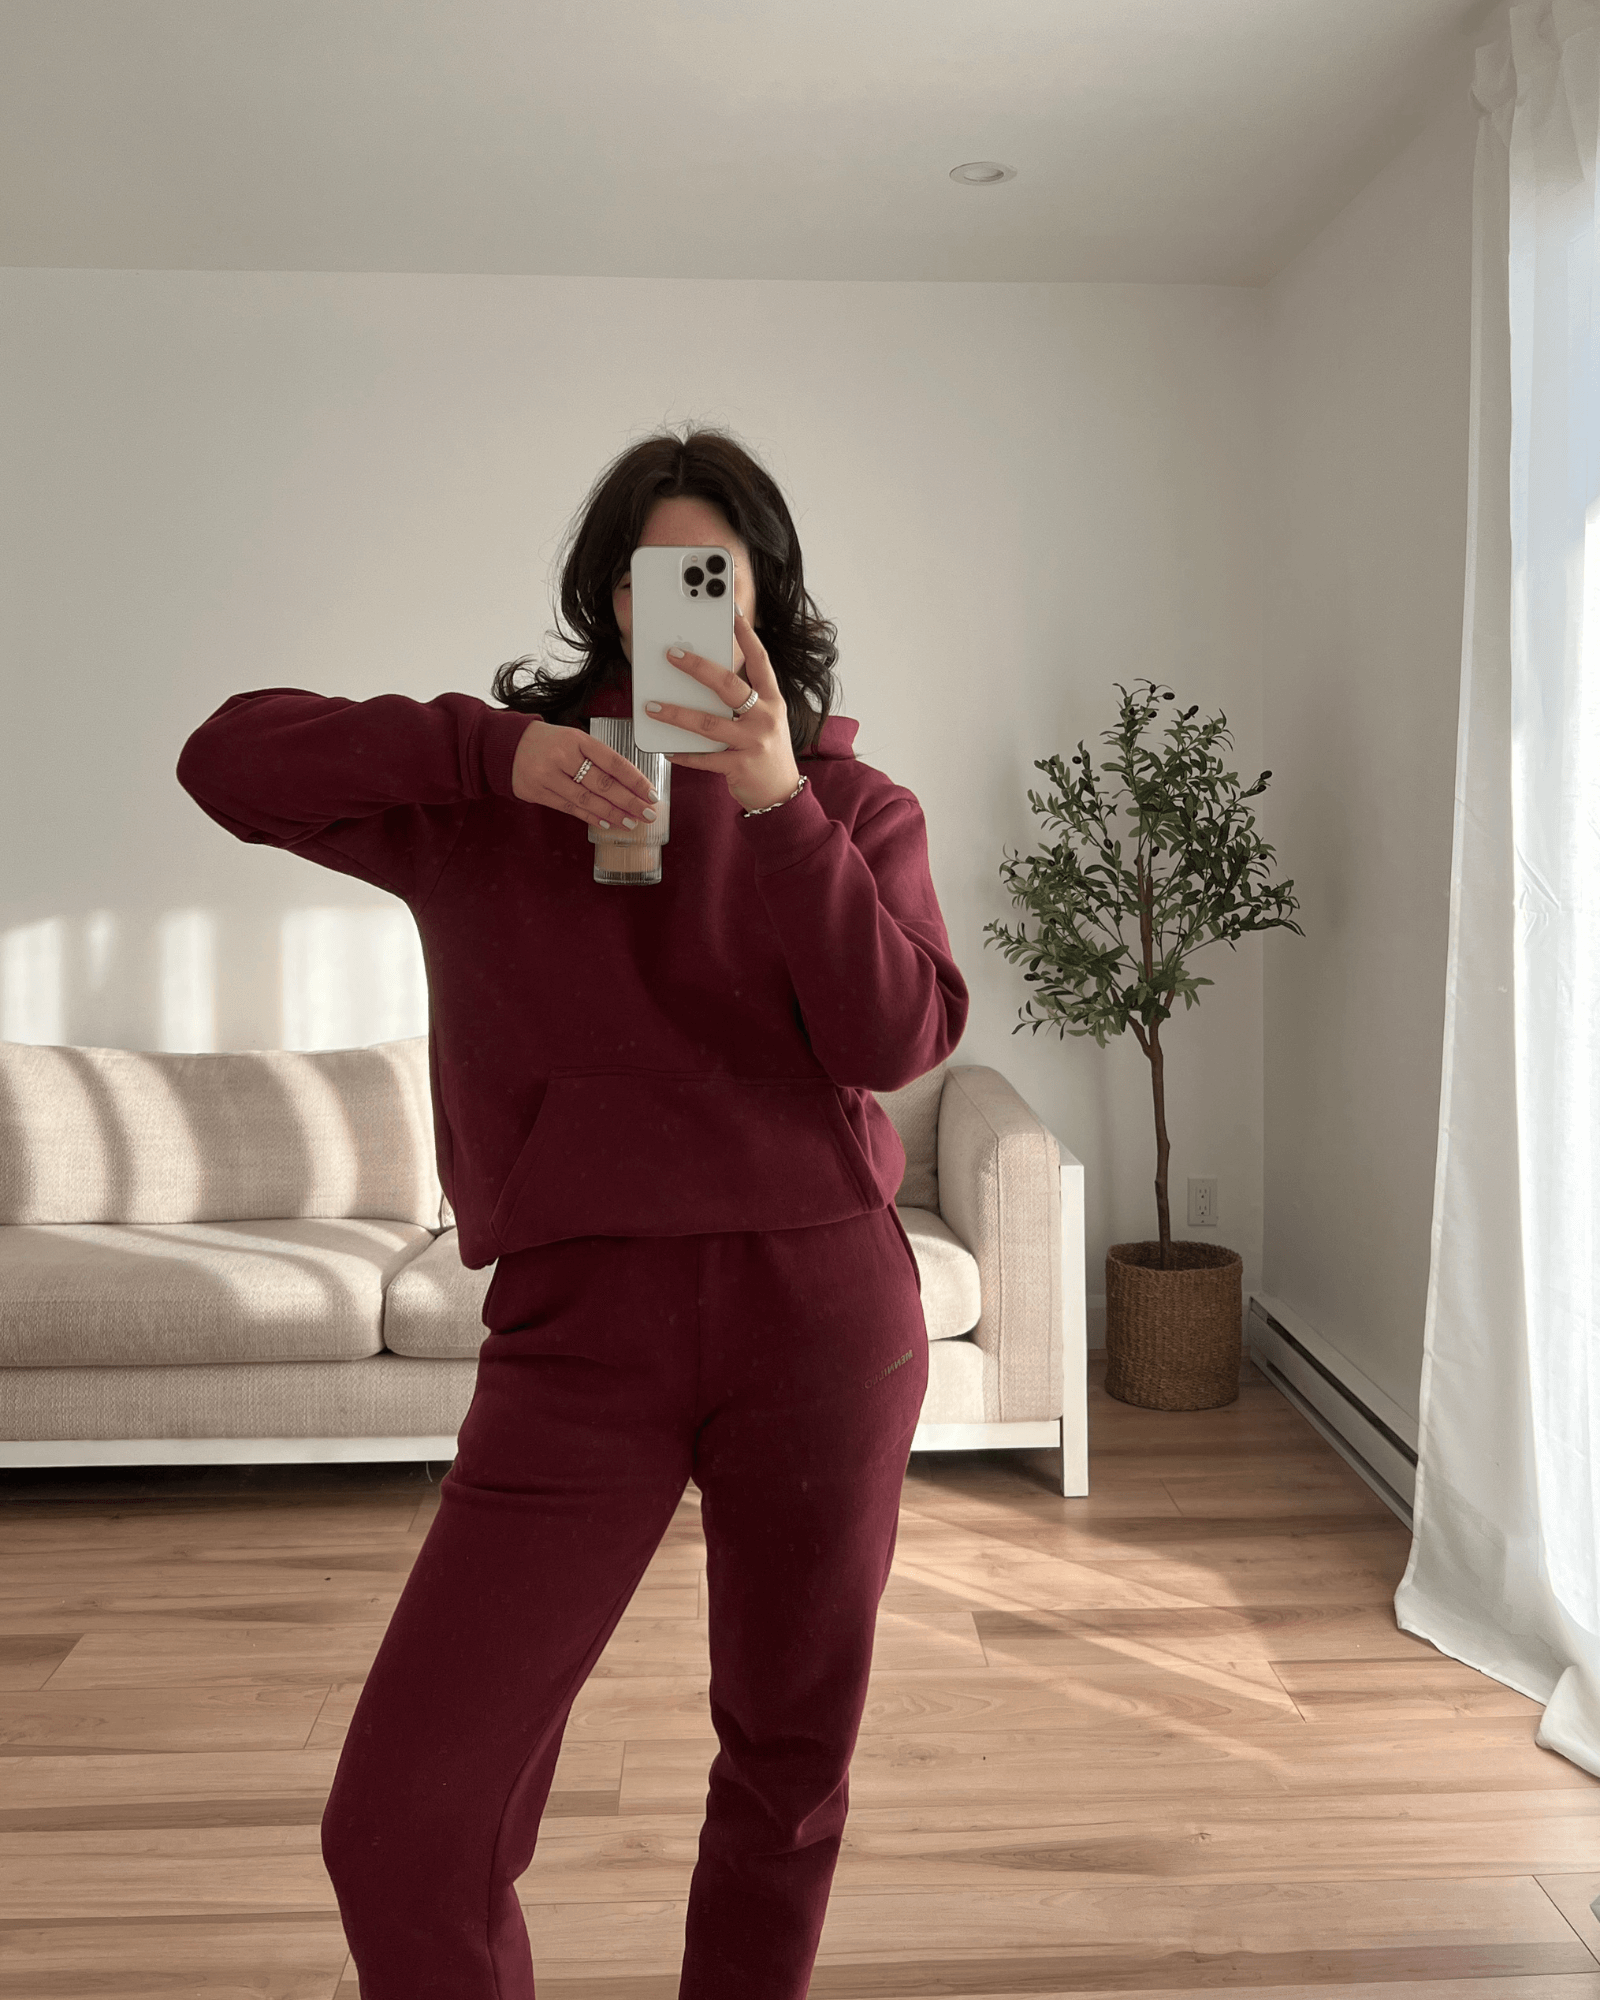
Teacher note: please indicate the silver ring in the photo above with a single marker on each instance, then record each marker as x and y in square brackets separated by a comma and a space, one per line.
[745, 707]
[586, 765]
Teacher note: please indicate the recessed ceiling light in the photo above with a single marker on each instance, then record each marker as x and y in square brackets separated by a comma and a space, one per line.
[982, 173]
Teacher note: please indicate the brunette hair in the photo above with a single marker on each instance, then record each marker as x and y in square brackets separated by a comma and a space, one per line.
[707, 464]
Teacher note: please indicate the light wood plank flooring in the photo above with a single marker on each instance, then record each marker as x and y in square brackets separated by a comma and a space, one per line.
[1167, 1739]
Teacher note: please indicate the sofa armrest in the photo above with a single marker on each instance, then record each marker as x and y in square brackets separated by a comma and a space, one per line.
[1000, 1191]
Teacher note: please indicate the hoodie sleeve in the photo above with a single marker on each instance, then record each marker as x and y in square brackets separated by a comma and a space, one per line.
[349, 783]
[863, 937]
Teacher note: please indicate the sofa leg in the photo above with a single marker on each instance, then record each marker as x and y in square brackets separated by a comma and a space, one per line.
[1075, 1453]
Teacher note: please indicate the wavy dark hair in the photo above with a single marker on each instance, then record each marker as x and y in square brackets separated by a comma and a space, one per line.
[706, 464]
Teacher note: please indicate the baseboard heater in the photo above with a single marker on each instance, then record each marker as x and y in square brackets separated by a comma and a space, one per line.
[1367, 1428]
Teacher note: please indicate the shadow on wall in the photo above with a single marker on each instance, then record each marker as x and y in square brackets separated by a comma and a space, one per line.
[193, 980]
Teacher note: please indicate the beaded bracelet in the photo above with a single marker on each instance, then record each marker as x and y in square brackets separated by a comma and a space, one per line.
[755, 810]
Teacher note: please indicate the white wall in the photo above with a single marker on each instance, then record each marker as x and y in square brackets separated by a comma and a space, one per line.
[1009, 496]
[1368, 352]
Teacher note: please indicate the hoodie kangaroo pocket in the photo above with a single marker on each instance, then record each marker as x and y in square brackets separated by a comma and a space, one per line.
[629, 1153]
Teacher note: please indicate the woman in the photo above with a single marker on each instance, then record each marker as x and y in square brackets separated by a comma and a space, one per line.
[654, 1115]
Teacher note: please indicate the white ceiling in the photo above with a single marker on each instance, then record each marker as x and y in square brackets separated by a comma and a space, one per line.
[1177, 141]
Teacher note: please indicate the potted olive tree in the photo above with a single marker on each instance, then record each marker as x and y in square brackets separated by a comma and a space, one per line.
[1195, 872]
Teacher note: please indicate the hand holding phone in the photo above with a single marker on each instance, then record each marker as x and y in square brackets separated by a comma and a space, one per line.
[757, 756]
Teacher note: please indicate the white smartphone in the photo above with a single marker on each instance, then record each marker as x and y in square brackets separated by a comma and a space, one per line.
[681, 597]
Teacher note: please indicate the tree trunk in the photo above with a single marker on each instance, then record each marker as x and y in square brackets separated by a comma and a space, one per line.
[1151, 1044]
[1163, 1149]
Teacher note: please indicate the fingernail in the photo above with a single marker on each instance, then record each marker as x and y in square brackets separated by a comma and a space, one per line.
[606, 824]
[674, 652]
[628, 822]
[654, 707]
[648, 813]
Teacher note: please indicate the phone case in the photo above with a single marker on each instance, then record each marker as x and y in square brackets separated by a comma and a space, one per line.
[669, 609]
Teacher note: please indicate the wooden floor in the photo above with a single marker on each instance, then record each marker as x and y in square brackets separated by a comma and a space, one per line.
[1163, 1740]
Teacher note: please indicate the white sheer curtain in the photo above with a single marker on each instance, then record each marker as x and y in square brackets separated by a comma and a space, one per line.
[1505, 1558]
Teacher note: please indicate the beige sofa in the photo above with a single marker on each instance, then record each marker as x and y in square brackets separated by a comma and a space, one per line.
[248, 1256]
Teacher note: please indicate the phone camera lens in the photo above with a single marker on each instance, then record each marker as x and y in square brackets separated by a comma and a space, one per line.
[715, 587]
[716, 564]
[693, 575]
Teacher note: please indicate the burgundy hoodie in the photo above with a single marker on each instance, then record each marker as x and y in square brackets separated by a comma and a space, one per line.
[691, 1056]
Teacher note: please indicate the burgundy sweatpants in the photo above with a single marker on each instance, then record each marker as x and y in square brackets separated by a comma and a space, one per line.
[783, 1372]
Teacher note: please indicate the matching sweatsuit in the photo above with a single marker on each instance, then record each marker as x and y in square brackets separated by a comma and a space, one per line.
[654, 1115]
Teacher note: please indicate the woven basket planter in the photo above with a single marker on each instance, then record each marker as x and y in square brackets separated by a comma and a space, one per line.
[1173, 1339]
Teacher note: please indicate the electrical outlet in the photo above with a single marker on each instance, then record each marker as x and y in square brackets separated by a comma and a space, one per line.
[1202, 1201]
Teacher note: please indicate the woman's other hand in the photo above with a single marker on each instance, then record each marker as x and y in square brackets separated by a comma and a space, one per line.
[614, 791]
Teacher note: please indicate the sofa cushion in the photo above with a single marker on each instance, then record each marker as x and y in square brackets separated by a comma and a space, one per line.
[83, 1294]
[914, 1113]
[433, 1308]
[951, 1304]
[91, 1135]
[955, 1384]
